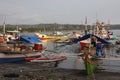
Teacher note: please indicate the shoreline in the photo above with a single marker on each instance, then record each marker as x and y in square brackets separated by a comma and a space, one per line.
[36, 71]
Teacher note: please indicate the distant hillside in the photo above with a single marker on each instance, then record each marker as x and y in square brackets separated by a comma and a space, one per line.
[115, 26]
[52, 27]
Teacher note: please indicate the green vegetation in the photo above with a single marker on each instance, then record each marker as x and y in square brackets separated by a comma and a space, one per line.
[52, 27]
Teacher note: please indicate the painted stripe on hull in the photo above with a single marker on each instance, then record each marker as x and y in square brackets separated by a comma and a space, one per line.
[18, 59]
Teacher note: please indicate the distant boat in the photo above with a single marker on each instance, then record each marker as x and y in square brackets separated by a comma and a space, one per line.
[11, 35]
[99, 30]
[77, 34]
[51, 37]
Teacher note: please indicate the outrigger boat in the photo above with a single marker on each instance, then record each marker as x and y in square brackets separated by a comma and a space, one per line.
[91, 49]
[91, 53]
[18, 50]
[9, 56]
[15, 52]
[47, 59]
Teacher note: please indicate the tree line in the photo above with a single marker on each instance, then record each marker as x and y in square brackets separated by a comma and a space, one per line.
[53, 27]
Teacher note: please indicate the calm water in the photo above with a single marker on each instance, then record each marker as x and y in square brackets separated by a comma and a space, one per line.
[75, 62]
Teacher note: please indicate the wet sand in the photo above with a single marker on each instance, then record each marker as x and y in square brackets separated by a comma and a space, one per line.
[37, 71]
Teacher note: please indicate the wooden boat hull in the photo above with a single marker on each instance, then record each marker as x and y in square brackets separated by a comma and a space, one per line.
[53, 37]
[52, 59]
[84, 43]
[72, 39]
[17, 57]
[46, 38]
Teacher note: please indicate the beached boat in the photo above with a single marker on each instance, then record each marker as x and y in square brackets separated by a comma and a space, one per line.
[47, 59]
[17, 50]
[8, 54]
[90, 55]
[91, 46]
[16, 56]
[90, 65]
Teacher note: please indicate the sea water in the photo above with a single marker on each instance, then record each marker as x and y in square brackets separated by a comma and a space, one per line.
[76, 62]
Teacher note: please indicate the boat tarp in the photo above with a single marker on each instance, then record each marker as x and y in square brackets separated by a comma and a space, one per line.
[29, 39]
[91, 35]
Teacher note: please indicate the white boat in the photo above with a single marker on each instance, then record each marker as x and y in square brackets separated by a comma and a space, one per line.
[48, 59]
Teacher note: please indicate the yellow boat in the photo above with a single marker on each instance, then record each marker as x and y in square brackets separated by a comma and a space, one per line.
[51, 37]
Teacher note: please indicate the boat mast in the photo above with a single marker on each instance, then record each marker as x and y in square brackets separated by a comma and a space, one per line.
[97, 27]
[17, 28]
[4, 30]
[85, 25]
[4, 27]
[108, 24]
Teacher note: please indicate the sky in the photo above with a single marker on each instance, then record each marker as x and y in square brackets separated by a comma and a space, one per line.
[59, 11]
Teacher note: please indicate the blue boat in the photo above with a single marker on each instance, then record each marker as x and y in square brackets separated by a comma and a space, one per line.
[10, 57]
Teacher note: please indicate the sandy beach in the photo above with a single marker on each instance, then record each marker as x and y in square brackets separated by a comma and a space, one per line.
[36, 71]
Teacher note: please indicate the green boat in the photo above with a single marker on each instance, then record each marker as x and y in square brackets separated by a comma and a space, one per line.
[90, 68]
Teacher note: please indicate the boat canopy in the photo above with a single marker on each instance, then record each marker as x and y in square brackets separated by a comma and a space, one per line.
[91, 35]
[29, 39]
